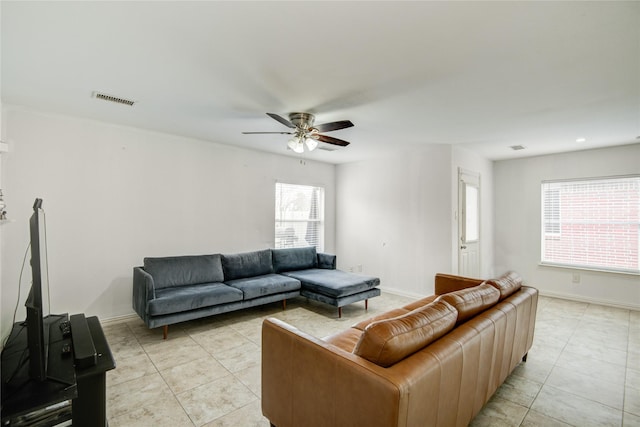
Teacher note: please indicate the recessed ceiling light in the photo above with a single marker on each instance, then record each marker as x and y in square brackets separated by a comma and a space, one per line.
[581, 140]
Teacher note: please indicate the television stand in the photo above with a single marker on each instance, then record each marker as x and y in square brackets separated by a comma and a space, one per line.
[82, 400]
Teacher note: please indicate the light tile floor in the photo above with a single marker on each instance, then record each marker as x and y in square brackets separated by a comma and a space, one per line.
[583, 369]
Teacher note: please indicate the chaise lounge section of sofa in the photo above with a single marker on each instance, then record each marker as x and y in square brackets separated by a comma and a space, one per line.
[168, 290]
[434, 362]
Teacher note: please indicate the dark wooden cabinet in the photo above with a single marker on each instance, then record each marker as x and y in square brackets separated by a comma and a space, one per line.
[71, 395]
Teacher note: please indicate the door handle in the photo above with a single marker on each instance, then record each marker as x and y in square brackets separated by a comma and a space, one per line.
[463, 247]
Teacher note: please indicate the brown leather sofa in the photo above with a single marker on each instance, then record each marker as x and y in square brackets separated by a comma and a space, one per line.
[434, 362]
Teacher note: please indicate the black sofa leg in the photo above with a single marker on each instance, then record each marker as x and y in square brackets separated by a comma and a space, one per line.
[524, 358]
[284, 304]
[165, 332]
[339, 312]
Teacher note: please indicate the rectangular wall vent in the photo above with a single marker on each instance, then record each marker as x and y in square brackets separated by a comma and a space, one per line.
[517, 147]
[112, 98]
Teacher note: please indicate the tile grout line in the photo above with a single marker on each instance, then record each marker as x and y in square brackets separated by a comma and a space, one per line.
[544, 383]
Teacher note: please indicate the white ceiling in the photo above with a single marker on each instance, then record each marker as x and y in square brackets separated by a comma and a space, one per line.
[482, 75]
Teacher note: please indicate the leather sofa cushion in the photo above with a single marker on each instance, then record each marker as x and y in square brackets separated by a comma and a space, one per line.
[345, 340]
[291, 259]
[471, 301]
[247, 264]
[184, 270]
[420, 303]
[386, 342]
[507, 284]
[386, 315]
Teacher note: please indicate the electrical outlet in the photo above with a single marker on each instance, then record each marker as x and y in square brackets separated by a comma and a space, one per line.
[359, 268]
[350, 269]
[575, 278]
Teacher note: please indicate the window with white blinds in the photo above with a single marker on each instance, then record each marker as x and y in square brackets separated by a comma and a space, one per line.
[592, 223]
[299, 216]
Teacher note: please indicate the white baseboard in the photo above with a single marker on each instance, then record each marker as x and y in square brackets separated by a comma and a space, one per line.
[119, 319]
[590, 300]
[401, 293]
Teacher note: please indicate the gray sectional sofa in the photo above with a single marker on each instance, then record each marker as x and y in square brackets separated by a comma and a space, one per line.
[169, 290]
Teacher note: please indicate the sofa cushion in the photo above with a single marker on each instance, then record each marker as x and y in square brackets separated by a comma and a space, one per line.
[382, 316]
[386, 342]
[471, 301]
[184, 298]
[507, 284]
[247, 264]
[269, 284]
[333, 283]
[419, 303]
[327, 261]
[291, 259]
[345, 340]
[184, 270]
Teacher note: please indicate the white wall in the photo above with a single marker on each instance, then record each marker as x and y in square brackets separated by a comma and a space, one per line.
[517, 222]
[395, 216]
[113, 195]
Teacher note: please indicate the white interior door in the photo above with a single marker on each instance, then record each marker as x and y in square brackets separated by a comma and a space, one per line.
[468, 223]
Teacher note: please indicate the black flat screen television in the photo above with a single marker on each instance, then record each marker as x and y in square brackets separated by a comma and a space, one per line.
[37, 328]
[37, 301]
[44, 331]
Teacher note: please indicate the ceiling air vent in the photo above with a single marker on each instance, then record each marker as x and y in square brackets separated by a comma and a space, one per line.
[517, 147]
[112, 98]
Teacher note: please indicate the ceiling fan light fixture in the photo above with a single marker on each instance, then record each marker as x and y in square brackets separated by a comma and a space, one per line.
[311, 144]
[296, 145]
[305, 133]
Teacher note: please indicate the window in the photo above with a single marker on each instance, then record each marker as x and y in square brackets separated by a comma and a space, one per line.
[299, 216]
[592, 223]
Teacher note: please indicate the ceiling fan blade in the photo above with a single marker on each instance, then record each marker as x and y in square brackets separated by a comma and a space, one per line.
[328, 127]
[282, 120]
[281, 133]
[330, 140]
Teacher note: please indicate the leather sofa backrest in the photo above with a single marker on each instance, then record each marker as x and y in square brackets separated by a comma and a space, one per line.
[445, 283]
[292, 259]
[388, 341]
[471, 301]
[184, 270]
[247, 264]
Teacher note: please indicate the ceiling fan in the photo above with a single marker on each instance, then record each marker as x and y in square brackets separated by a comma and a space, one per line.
[305, 133]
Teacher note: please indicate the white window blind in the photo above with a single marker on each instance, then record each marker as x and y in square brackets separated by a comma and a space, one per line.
[299, 216]
[592, 223]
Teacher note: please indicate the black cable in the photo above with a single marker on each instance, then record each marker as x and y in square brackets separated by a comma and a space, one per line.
[15, 311]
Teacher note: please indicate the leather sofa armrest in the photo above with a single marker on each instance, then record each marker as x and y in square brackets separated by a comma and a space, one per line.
[326, 261]
[445, 283]
[143, 291]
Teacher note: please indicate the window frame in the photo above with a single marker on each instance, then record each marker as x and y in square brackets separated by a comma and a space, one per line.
[544, 224]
